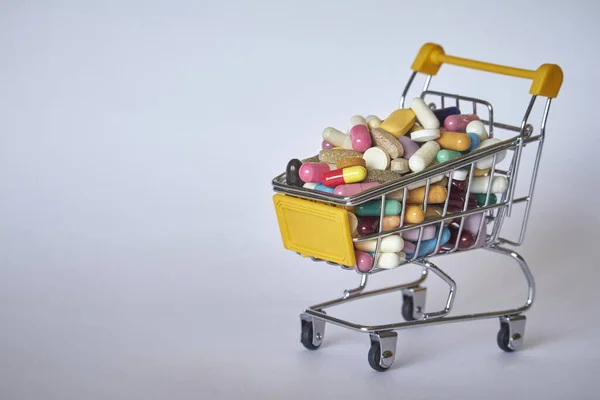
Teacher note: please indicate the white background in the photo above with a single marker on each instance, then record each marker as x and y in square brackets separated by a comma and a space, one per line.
[139, 252]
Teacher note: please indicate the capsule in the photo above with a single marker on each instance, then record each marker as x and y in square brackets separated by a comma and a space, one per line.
[480, 198]
[443, 113]
[414, 214]
[488, 161]
[424, 114]
[368, 225]
[373, 208]
[359, 134]
[437, 194]
[446, 155]
[322, 188]
[373, 121]
[475, 142]
[458, 123]
[389, 244]
[457, 199]
[409, 146]
[413, 234]
[354, 188]
[454, 140]
[313, 171]
[390, 260]
[292, 174]
[325, 145]
[466, 239]
[428, 246]
[423, 157]
[364, 261]
[344, 175]
[478, 128]
[333, 136]
[480, 184]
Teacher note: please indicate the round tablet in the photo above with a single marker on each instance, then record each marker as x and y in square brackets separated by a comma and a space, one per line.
[425, 135]
[376, 158]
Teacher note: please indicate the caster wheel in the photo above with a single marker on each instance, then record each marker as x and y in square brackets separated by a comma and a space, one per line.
[375, 357]
[503, 338]
[307, 336]
[408, 306]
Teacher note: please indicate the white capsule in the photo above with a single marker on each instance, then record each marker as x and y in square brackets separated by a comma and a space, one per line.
[423, 157]
[333, 136]
[424, 135]
[432, 180]
[478, 128]
[479, 184]
[488, 161]
[353, 223]
[424, 114]
[459, 174]
[376, 158]
[309, 185]
[389, 244]
[373, 121]
[390, 260]
[347, 143]
[357, 120]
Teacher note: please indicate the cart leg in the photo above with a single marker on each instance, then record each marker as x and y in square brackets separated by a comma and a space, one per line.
[313, 331]
[413, 305]
[383, 350]
[512, 330]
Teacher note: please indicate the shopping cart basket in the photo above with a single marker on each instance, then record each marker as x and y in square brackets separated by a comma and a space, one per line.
[315, 224]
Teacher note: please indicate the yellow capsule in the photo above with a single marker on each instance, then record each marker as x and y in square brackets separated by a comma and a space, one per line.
[437, 195]
[435, 212]
[413, 214]
[399, 122]
[480, 172]
[454, 140]
[391, 222]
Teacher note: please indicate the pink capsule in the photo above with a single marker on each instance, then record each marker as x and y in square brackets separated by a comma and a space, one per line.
[326, 145]
[364, 261]
[313, 172]
[353, 188]
[409, 247]
[413, 234]
[361, 138]
[459, 122]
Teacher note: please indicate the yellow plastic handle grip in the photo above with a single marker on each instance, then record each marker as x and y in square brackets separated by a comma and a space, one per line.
[547, 79]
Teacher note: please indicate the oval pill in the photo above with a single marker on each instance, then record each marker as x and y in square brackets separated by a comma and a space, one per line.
[409, 146]
[424, 114]
[344, 175]
[432, 180]
[333, 136]
[423, 157]
[488, 161]
[377, 158]
[313, 172]
[428, 246]
[414, 214]
[413, 234]
[454, 140]
[447, 155]
[292, 173]
[479, 184]
[399, 122]
[385, 140]
[458, 123]
[391, 222]
[466, 239]
[332, 156]
[373, 121]
[353, 224]
[480, 199]
[425, 135]
[360, 137]
[459, 174]
[373, 208]
[350, 162]
[364, 261]
[322, 188]
[389, 244]
[368, 225]
[357, 120]
[480, 172]
[475, 141]
[390, 260]
[400, 165]
[325, 145]
[478, 128]
[443, 113]
[437, 194]
[472, 222]
[354, 188]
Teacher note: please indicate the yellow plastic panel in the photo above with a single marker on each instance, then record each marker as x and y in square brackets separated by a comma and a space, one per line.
[315, 229]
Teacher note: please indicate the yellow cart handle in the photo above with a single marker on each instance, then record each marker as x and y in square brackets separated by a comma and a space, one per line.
[547, 79]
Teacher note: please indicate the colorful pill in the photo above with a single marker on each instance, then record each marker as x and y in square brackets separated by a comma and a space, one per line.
[475, 141]
[459, 186]
[478, 128]
[387, 142]
[488, 161]
[368, 225]
[344, 175]
[432, 180]
[472, 222]
[313, 171]
[413, 234]
[428, 246]
[425, 135]
[390, 260]
[458, 123]
[389, 244]
[446, 155]
[359, 134]
[349, 162]
[332, 156]
[364, 261]
[409, 146]
[409, 247]
[399, 122]
[457, 199]
[423, 157]
[480, 198]
[373, 121]
[480, 172]
[325, 145]
[466, 239]
[292, 173]
[377, 158]
[333, 136]
[480, 184]
[437, 194]
[400, 165]
[414, 214]
[322, 188]
[443, 113]
[391, 222]
[354, 188]
[454, 140]
[373, 208]
[424, 114]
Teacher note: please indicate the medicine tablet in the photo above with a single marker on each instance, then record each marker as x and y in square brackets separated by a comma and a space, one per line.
[364, 261]
[357, 120]
[389, 244]
[425, 135]
[443, 113]
[390, 260]
[432, 180]
[359, 134]
[459, 174]
[354, 188]
[478, 128]
[475, 141]
[310, 185]
[325, 145]
[454, 140]
[313, 172]
[437, 195]
[333, 136]
[377, 158]
[350, 162]
[413, 234]
[480, 172]
[458, 123]
[332, 156]
[488, 161]
[373, 121]
[424, 114]
[445, 155]
[423, 157]
[414, 214]
[391, 222]
[376, 175]
[388, 142]
[344, 175]
[399, 122]
[353, 224]
[479, 184]
[400, 165]
[347, 143]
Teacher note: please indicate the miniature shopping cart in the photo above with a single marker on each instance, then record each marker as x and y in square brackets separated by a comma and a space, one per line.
[315, 224]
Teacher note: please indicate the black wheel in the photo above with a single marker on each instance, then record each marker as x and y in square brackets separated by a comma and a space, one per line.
[375, 356]
[408, 307]
[503, 338]
[307, 336]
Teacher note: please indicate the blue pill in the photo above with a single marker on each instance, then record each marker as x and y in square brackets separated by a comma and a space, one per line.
[428, 246]
[322, 188]
[475, 140]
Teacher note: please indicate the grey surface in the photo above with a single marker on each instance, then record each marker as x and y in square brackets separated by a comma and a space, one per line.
[131, 131]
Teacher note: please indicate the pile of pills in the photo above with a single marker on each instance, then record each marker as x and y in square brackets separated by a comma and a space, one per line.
[409, 140]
